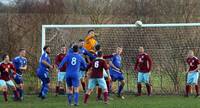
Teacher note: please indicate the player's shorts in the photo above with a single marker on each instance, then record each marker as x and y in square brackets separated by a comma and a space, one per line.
[2, 83]
[105, 75]
[18, 79]
[97, 81]
[72, 80]
[192, 77]
[116, 75]
[61, 76]
[44, 77]
[143, 77]
[10, 83]
[81, 74]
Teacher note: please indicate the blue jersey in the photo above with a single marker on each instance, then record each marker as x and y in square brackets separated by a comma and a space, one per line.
[116, 60]
[18, 63]
[74, 62]
[42, 67]
[83, 51]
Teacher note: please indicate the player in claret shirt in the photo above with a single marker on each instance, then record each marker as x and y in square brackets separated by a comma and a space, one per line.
[20, 63]
[143, 67]
[192, 73]
[8, 71]
[96, 76]
[61, 72]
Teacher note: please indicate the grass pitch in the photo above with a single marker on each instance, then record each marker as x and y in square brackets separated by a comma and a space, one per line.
[130, 102]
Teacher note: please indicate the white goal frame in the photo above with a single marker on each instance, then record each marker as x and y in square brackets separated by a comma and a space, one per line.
[44, 27]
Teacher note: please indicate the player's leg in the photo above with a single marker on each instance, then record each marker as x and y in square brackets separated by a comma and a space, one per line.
[75, 84]
[45, 85]
[83, 83]
[61, 77]
[188, 84]
[12, 85]
[120, 78]
[103, 86]
[139, 83]
[69, 90]
[91, 86]
[195, 82]
[3, 87]
[147, 83]
[99, 92]
[20, 85]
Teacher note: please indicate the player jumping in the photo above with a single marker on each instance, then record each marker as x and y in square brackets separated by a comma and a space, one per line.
[74, 62]
[192, 73]
[142, 68]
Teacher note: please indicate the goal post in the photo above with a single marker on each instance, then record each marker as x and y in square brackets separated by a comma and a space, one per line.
[166, 43]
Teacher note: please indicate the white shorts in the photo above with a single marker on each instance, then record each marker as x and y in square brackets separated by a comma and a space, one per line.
[2, 83]
[105, 75]
[10, 83]
[61, 76]
[192, 78]
[143, 77]
[94, 81]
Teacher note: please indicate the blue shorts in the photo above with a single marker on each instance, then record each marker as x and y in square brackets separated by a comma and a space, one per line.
[2, 83]
[192, 77]
[81, 74]
[61, 76]
[72, 80]
[116, 75]
[94, 81]
[143, 77]
[18, 79]
[44, 77]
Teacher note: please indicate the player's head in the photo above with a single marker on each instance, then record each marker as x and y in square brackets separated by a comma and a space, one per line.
[190, 53]
[119, 50]
[63, 49]
[91, 32]
[98, 47]
[75, 48]
[47, 49]
[141, 49]
[81, 42]
[6, 58]
[22, 52]
[99, 54]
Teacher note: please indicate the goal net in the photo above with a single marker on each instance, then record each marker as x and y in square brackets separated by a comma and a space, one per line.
[167, 44]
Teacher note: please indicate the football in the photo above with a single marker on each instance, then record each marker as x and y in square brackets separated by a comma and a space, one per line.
[138, 23]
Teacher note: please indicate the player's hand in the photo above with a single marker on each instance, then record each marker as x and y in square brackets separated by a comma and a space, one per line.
[14, 75]
[109, 78]
[51, 67]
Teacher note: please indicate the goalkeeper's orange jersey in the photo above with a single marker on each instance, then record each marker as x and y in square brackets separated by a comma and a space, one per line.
[90, 43]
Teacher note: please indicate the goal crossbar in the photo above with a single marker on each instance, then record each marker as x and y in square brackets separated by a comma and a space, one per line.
[44, 27]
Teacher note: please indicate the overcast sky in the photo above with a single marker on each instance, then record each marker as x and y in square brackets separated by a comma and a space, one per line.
[6, 1]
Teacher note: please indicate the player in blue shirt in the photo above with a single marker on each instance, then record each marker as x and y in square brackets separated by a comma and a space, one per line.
[88, 56]
[20, 63]
[74, 62]
[43, 71]
[115, 70]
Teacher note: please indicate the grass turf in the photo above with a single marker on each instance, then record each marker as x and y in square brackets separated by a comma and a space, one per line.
[130, 102]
